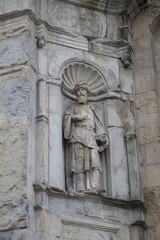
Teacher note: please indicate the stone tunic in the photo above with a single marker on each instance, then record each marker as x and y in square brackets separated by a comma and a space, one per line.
[84, 133]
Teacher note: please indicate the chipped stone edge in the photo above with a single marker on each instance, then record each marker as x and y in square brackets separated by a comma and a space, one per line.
[52, 191]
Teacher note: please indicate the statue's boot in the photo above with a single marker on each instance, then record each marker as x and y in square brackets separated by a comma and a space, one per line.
[95, 181]
[80, 182]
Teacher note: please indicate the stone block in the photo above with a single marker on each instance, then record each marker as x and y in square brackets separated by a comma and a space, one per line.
[148, 132]
[13, 215]
[152, 220]
[152, 153]
[147, 103]
[17, 50]
[144, 59]
[144, 80]
[17, 98]
[151, 199]
[150, 175]
[13, 173]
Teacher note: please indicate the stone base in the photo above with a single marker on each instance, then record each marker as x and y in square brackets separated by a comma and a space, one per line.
[83, 216]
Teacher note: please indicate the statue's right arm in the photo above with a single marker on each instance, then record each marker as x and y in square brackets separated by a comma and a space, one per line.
[67, 122]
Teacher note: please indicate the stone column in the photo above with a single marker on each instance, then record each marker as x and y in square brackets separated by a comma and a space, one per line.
[42, 134]
[42, 117]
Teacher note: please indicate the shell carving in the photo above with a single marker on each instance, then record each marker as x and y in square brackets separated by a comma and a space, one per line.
[80, 72]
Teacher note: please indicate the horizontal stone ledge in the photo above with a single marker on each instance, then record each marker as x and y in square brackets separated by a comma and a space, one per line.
[108, 6]
[93, 197]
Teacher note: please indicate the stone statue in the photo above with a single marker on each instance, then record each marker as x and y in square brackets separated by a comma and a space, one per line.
[86, 136]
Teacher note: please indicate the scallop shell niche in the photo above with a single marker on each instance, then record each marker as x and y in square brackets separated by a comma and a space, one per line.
[80, 72]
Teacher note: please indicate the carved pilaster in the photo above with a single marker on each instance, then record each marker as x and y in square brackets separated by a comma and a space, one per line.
[134, 178]
[42, 133]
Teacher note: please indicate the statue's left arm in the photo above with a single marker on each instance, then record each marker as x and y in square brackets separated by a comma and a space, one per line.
[101, 135]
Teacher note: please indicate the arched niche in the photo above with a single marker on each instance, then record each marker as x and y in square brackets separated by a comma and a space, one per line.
[73, 73]
[118, 164]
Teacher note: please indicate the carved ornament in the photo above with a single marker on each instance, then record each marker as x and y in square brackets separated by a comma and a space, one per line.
[81, 21]
[78, 72]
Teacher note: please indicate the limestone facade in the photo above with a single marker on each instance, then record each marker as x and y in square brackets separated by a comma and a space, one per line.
[42, 43]
[146, 77]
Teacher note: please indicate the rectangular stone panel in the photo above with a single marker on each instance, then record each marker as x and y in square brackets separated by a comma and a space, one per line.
[118, 163]
[56, 161]
[76, 19]
[85, 231]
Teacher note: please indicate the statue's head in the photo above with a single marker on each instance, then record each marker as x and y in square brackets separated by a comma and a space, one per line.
[82, 91]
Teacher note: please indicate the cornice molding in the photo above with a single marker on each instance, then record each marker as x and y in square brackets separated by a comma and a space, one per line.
[116, 7]
[48, 33]
[123, 203]
[111, 6]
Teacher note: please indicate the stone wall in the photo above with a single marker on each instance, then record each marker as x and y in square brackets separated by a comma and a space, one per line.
[146, 77]
[42, 44]
[18, 64]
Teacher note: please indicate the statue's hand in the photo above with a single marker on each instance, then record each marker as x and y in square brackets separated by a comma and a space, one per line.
[101, 139]
[79, 117]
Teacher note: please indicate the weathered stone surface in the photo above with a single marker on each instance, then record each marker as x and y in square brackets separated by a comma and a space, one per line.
[17, 51]
[76, 19]
[7, 6]
[118, 163]
[58, 55]
[119, 113]
[13, 215]
[146, 45]
[32, 147]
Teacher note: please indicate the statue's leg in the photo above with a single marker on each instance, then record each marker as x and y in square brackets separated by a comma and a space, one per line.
[80, 182]
[95, 179]
[88, 181]
[95, 171]
[79, 167]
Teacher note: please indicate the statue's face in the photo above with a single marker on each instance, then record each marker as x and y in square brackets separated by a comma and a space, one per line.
[82, 95]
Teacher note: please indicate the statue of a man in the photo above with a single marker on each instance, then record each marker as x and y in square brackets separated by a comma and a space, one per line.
[87, 137]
